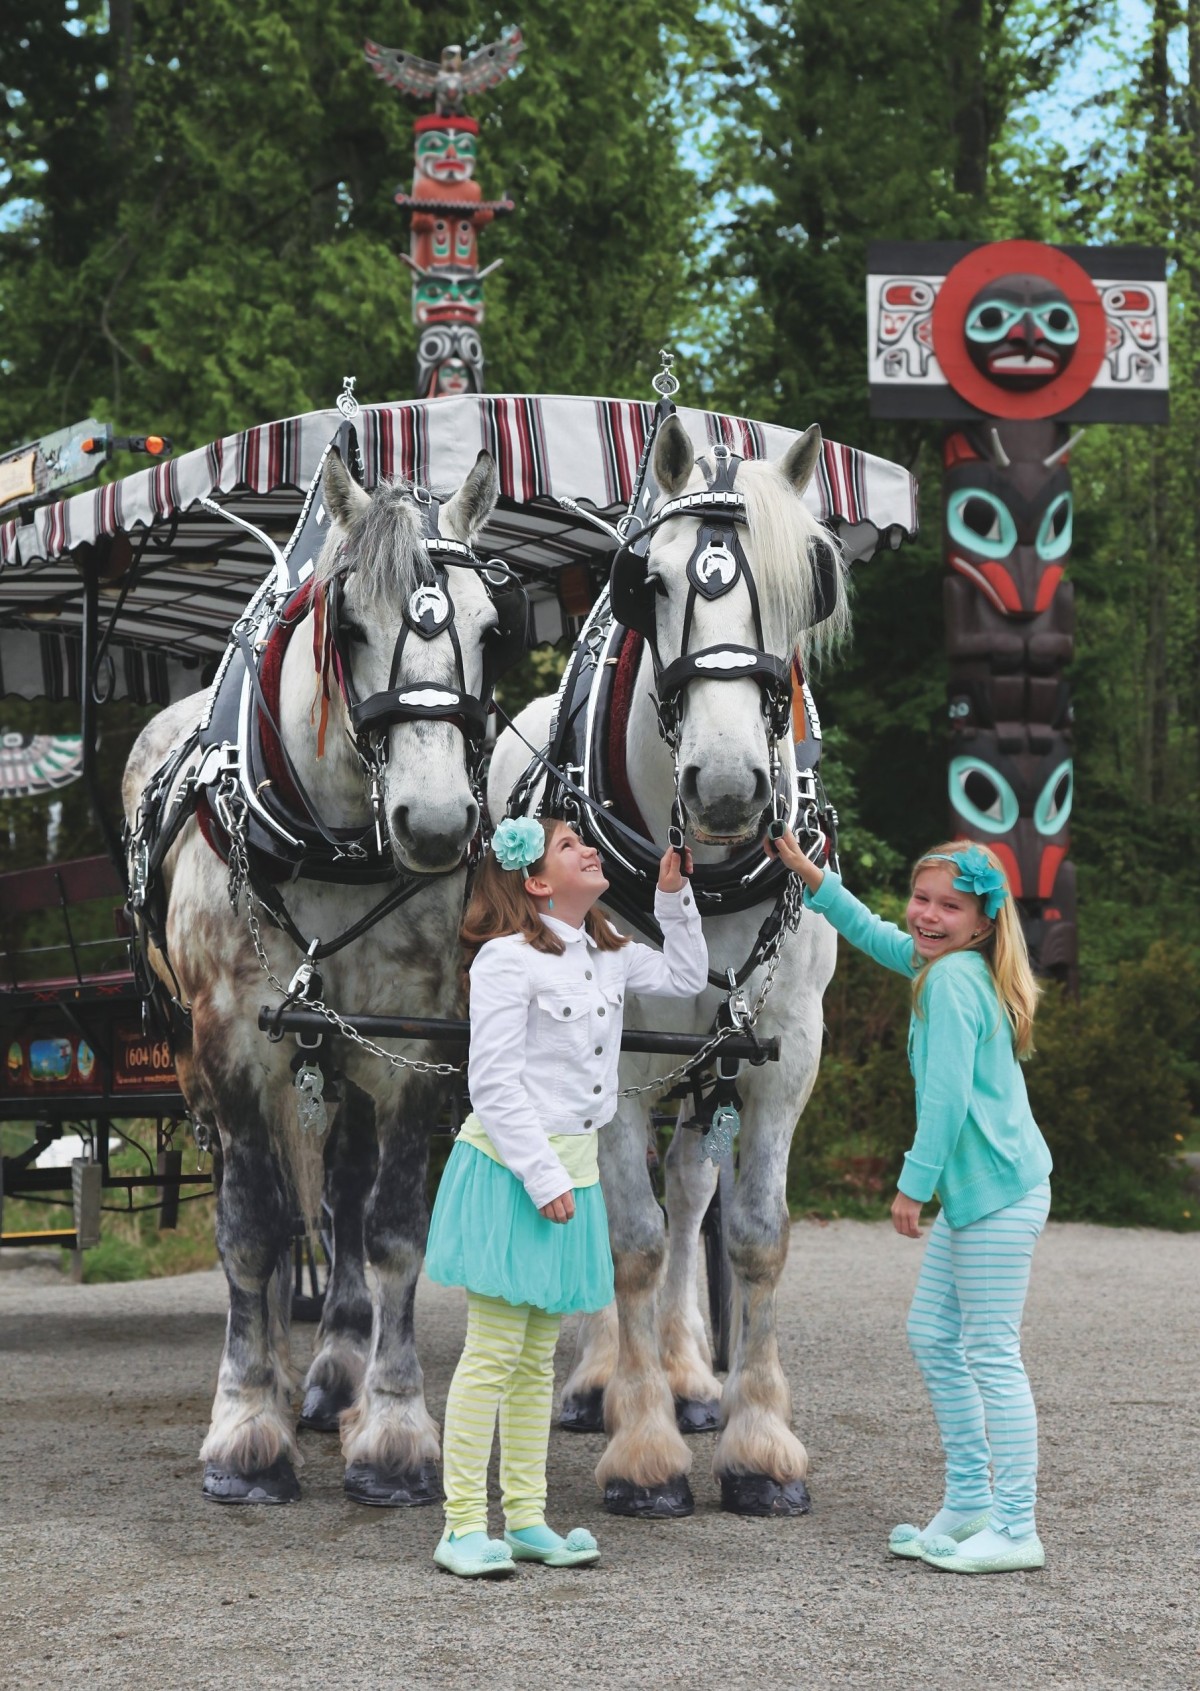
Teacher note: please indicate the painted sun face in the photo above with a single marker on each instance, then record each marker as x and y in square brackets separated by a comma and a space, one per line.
[1021, 332]
[445, 155]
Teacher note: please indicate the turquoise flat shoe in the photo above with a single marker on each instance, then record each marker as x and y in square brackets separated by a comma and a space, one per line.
[945, 1553]
[906, 1540]
[474, 1557]
[577, 1550]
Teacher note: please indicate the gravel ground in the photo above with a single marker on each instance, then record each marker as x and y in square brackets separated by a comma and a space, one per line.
[118, 1574]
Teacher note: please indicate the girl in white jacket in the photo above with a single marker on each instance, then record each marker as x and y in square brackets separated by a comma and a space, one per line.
[519, 1218]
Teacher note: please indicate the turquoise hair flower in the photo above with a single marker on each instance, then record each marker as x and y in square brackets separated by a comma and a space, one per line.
[518, 842]
[979, 875]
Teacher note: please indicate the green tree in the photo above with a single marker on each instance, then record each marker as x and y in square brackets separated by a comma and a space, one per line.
[197, 231]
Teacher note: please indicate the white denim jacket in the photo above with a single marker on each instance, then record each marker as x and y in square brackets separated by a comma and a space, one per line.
[546, 1032]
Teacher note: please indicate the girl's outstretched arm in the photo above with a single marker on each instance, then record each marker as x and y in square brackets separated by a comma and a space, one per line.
[824, 892]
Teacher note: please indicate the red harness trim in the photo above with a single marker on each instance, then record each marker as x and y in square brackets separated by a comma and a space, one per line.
[270, 672]
[624, 679]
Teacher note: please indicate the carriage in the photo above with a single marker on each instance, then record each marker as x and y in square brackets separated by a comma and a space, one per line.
[133, 590]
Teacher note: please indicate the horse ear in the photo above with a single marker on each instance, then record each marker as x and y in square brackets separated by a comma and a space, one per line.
[344, 499]
[674, 458]
[802, 458]
[475, 500]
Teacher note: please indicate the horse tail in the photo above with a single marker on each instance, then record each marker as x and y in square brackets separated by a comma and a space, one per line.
[301, 1151]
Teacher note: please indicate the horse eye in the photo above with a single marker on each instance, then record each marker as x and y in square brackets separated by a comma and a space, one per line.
[351, 631]
[657, 582]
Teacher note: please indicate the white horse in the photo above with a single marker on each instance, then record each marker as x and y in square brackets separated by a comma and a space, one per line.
[650, 1353]
[242, 1085]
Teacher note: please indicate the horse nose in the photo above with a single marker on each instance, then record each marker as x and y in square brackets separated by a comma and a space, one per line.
[726, 801]
[433, 842]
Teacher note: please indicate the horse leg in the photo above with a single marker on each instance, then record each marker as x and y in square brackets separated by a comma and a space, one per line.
[760, 1463]
[389, 1439]
[251, 1443]
[582, 1406]
[644, 1467]
[691, 1180]
[344, 1336]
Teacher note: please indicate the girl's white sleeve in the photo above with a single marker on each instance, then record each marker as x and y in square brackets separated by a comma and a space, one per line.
[500, 998]
[680, 969]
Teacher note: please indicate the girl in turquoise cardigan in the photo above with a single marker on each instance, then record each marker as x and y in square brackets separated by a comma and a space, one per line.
[979, 1149]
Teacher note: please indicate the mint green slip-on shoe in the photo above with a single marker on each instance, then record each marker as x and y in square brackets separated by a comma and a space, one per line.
[489, 1560]
[577, 1550]
[944, 1553]
[906, 1540]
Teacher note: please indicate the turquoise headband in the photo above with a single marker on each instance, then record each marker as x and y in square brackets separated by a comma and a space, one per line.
[977, 874]
[518, 842]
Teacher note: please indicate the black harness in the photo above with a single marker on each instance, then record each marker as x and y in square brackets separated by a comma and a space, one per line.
[575, 763]
[226, 772]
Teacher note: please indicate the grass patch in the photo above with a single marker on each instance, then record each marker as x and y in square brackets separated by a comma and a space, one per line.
[132, 1245]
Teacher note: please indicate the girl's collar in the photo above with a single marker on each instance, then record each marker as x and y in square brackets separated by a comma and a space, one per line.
[564, 930]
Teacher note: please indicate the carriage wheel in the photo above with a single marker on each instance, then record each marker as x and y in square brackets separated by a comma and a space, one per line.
[717, 1265]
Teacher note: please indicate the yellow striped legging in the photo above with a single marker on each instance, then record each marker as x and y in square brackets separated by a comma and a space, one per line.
[507, 1364]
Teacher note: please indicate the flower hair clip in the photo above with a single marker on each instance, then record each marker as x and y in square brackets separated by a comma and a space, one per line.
[518, 842]
[978, 875]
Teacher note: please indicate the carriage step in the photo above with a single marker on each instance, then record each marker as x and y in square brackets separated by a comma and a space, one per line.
[64, 1236]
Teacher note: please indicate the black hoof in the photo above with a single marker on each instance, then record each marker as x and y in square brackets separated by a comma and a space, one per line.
[759, 1494]
[321, 1408]
[668, 1502]
[697, 1415]
[383, 1488]
[583, 1413]
[276, 1484]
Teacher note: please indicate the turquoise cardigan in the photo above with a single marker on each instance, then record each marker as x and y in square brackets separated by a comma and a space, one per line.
[977, 1145]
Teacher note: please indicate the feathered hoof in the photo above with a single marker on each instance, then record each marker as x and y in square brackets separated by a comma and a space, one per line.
[697, 1415]
[759, 1494]
[583, 1412]
[670, 1501]
[322, 1407]
[392, 1488]
[276, 1484]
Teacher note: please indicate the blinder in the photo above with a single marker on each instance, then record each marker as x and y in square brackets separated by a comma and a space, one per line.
[717, 563]
[429, 613]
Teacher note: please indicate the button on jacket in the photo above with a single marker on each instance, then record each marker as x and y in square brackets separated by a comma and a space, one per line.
[546, 1032]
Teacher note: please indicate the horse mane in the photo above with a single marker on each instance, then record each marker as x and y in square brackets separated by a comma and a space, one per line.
[782, 530]
[382, 546]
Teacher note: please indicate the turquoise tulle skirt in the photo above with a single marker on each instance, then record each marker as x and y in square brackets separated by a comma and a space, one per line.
[486, 1235]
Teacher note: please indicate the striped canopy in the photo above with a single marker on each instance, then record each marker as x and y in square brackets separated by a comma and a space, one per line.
[176, 576]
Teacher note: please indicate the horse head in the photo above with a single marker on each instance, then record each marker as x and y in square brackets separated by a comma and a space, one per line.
[416, 630]
[732, 577]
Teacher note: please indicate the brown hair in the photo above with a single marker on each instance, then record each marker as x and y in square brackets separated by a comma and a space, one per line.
[1003, 949]
[500, 905]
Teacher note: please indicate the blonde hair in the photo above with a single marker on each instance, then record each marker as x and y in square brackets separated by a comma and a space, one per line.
[1003, 949]
[499, 905]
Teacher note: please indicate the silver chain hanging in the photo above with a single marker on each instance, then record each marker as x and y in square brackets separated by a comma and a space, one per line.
[793, 911]
[231, 812]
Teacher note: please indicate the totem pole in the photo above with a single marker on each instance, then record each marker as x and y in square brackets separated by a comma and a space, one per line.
[1012, 343]
[447, 207]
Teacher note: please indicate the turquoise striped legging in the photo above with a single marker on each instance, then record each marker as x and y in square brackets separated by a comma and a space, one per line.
[964, 1328]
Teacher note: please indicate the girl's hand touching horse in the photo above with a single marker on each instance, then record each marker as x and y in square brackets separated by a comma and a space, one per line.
[674, 867]
[787, 849]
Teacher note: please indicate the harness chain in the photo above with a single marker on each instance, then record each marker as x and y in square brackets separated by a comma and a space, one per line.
[239, 882]
[743, 1019]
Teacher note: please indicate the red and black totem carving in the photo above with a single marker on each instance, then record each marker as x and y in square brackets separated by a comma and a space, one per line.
[448, 209]
[1015, 342]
